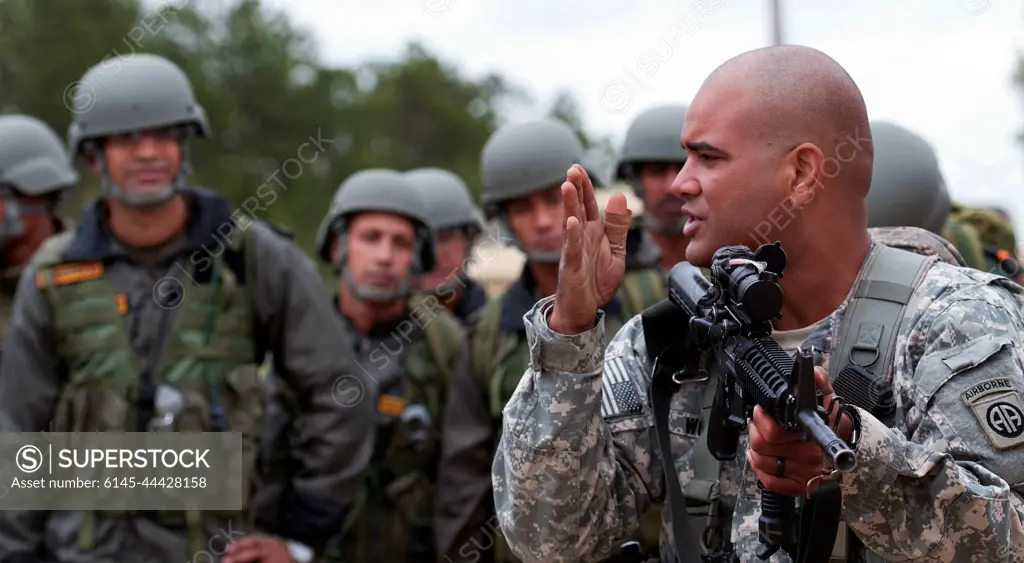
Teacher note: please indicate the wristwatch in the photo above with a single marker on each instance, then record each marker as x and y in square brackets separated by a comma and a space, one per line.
[300, 553]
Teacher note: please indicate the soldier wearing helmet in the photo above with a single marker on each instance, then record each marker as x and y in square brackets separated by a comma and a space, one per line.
[908, 190]
[457, 222]
[35, 174]
[377, 237]
[522, 167]
[161, 299]
[650, 160]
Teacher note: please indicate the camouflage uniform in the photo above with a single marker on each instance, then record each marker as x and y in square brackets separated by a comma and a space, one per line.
[518, 160]
[570, 483]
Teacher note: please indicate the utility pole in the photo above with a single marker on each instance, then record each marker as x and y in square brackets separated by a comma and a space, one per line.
[777, 22]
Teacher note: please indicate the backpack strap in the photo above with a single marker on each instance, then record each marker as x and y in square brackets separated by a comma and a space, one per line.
[864, 349]
[485, 342]
[444, 337]
[660, 324]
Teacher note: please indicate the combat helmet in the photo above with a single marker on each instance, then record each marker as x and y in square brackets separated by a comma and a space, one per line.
[33, 162]
[525, 158]
[448, 202]
[376, 190]
[907, 188]
[129, 94]
[653, 137]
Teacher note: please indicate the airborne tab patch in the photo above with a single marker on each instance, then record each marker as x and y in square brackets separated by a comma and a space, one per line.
[997, 405]
[619, 395]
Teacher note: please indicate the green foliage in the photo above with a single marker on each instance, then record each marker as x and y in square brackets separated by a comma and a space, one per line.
[266, 94]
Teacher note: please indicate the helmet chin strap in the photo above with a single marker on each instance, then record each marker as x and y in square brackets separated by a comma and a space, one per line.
[149, 198]
[369, 293]
[532, 254]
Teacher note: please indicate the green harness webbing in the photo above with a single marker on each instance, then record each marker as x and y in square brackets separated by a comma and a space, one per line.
[193, 517]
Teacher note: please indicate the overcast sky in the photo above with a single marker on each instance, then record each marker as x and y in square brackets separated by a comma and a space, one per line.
[942, 68]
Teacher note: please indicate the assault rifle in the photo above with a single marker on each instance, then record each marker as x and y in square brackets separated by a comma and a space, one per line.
[730, 318]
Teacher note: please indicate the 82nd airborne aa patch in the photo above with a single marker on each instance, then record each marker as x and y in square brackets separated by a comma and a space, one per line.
[998, 406]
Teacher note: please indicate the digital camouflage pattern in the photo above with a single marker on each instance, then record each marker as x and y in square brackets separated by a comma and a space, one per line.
[570, 485]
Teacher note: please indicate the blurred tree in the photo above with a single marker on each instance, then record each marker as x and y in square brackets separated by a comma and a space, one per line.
[419, 112]
[282, 123]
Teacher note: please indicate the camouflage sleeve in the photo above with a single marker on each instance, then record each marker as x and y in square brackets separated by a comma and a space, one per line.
[946, 485]
[463, 499]
[570, 485]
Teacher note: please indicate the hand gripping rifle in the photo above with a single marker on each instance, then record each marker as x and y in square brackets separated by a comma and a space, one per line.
[731, 319]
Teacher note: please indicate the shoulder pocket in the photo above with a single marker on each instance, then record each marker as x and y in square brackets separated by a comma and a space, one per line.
[972, 393]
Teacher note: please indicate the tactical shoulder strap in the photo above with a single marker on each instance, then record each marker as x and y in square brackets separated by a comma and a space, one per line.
[485, 341]
[660, 322]
[866, 337]
[444, 337]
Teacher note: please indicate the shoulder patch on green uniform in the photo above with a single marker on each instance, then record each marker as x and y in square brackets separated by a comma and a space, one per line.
[998, 407]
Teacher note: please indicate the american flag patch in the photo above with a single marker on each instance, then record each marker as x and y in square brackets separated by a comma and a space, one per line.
[619, 395]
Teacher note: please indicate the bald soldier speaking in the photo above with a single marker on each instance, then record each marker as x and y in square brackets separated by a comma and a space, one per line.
[938, 481]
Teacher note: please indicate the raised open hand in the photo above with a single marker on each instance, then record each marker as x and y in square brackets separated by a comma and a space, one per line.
[593, 254]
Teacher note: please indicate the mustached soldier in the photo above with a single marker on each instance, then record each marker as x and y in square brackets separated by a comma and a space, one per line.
[649, 161]
[101, 321]
[35, 174]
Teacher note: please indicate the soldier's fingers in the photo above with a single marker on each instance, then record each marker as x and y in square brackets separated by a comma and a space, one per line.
[589, 198]
[616, 223]
[821, 379]
[572, 249]
[791, 484]
[770, 430]
[575, 176]
[570, 203]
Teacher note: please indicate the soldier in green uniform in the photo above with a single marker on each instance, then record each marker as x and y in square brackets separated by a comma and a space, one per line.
[377, 238]
[457, 222]
[523, 166]
[650, 160]
[100, 326]
[35, 174]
